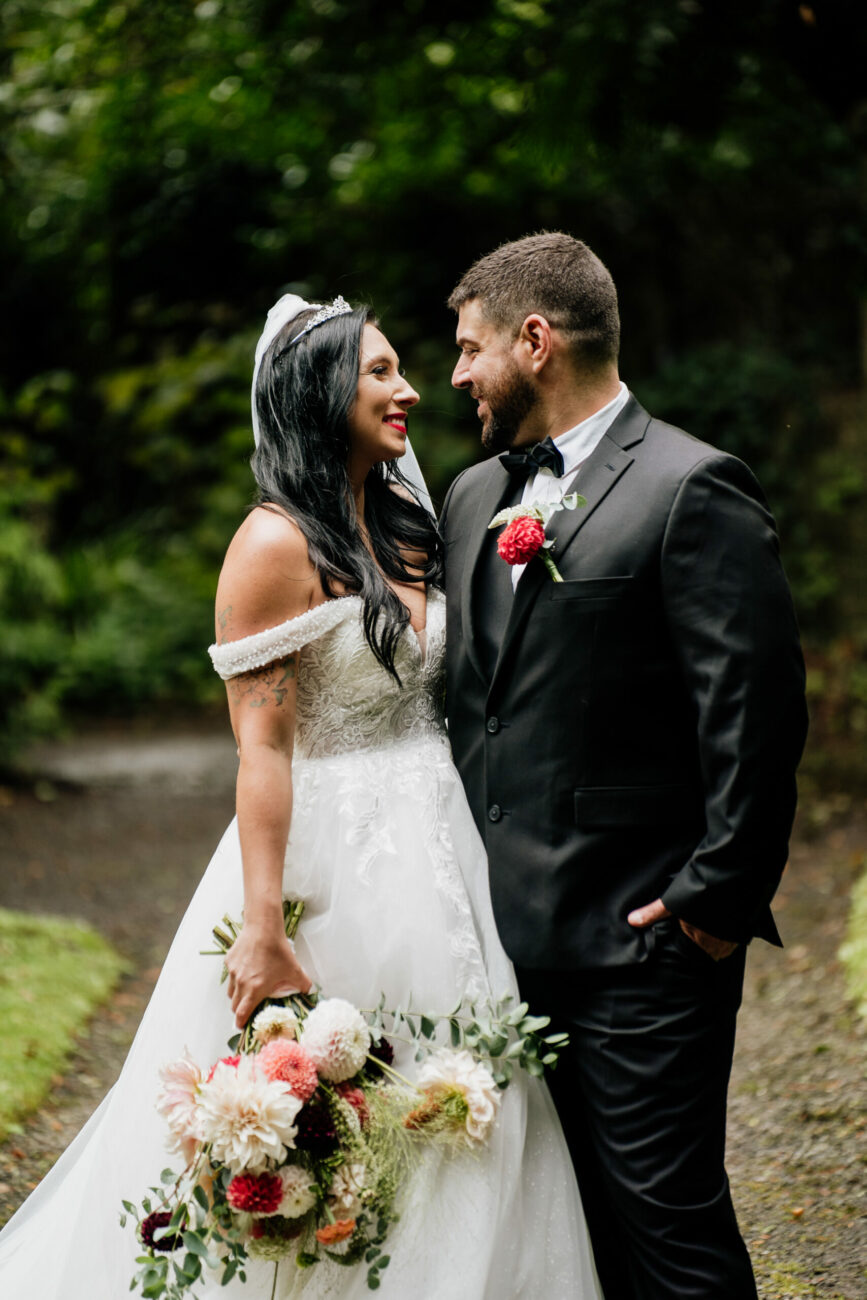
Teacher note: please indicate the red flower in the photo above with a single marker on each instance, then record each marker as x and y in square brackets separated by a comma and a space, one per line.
[521, 540]
[227, 1060]
[153, 1224]
[255, 1193]
[286, 1060]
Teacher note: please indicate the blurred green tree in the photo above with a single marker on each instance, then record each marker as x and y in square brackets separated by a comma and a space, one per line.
[168, 168]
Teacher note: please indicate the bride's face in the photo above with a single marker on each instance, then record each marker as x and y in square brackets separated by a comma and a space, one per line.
[377, 421]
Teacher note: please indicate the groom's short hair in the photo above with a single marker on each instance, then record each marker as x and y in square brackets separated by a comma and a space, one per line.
[557, 277]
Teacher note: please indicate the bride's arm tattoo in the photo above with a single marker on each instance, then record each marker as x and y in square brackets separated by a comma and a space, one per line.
[264, 686]
[223, 617]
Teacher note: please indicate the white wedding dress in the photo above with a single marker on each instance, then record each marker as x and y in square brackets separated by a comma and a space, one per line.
[385, 853]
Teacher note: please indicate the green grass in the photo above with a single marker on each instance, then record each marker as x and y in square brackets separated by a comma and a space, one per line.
[53, 974]
[853, 952]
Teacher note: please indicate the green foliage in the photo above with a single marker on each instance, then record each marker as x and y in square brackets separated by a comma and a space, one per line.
[53, 974]
[166, 169]
[853, 953]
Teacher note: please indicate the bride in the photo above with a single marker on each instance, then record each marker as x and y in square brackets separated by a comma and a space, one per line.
[330, 637]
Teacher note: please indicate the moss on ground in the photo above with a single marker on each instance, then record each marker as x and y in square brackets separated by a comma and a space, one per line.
[853, 952]
[53, 974]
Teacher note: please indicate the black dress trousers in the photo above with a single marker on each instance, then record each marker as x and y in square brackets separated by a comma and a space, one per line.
[641, 1093]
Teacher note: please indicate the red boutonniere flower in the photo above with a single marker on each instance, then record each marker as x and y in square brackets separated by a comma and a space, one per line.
[524, 534]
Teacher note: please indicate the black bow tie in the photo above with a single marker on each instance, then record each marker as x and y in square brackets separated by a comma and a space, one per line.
[523, 464]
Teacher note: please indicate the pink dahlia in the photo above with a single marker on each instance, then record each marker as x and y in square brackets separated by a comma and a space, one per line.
[285, 1060]
[178, 1102]
[255, 1193]
[522, 540]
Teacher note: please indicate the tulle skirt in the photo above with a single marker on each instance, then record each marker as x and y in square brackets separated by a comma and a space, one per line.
[385, 853]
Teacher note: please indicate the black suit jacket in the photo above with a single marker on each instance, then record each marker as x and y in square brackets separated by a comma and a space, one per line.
[639, 733]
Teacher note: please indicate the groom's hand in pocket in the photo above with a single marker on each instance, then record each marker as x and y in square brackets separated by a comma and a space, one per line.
[716, 948]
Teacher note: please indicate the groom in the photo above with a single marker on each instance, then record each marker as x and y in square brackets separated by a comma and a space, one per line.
[628, 739]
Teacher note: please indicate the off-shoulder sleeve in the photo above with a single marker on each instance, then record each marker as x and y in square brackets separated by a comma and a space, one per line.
[251, 652]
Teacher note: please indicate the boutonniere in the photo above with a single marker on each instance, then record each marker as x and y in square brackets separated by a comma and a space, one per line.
[524, 535]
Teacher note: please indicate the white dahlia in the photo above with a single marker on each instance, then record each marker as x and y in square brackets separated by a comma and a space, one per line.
[178, 1102]
[298, 1194]
[248, 1119]
[447, 1072]
[336, 1038]
[344, 1194]
[274, 1022]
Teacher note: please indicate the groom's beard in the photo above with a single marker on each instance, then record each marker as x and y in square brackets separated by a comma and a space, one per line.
[510, 398]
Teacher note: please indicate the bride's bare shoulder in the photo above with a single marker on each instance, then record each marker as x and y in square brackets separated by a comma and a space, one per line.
[267, 576]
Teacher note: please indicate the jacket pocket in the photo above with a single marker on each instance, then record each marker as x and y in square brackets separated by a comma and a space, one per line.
[615, 806]
[591, 588]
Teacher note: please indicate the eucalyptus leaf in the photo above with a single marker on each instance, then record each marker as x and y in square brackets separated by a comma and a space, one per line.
[515, 1017]
[532, 1024]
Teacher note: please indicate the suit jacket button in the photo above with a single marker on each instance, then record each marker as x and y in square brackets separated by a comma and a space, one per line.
[495, 812]
[493, 725]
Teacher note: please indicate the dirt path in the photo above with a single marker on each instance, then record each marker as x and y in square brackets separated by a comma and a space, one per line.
[126, 855]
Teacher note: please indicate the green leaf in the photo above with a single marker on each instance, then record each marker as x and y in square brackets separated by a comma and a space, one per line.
[194, 1244]
[455, 1033]
[515, 1017]
[557, 1039]
[128, 1206]
[551, 1058]
[428, 1027]
[192, 1265]
[534, 1067]
[167, 1176]
[200, 1195]
[497, 1044]
[532, 1024]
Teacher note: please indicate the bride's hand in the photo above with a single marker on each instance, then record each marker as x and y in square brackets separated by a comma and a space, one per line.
[262, 964]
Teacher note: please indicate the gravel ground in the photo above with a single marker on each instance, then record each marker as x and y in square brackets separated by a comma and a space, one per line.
[125, 850]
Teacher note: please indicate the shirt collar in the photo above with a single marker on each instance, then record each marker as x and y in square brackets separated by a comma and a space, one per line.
[576, 444]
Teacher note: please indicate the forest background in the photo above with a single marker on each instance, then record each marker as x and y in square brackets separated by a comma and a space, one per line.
[168, 169]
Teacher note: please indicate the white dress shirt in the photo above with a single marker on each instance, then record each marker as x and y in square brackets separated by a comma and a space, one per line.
[575, 445]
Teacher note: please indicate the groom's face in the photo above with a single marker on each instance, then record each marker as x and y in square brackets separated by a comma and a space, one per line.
[489, 370]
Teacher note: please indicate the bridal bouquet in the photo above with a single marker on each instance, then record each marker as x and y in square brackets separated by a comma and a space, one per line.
[297, 1144]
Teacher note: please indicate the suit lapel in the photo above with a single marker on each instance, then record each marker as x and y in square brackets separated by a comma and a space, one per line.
[594, 480]
[496, 490]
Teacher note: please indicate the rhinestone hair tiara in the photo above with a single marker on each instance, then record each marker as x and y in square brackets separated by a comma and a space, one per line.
[339, 307]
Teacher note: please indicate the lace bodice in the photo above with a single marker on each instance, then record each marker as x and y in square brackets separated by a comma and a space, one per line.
[346, 700]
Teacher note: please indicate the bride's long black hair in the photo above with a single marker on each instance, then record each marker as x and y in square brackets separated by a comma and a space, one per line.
[304, 396]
